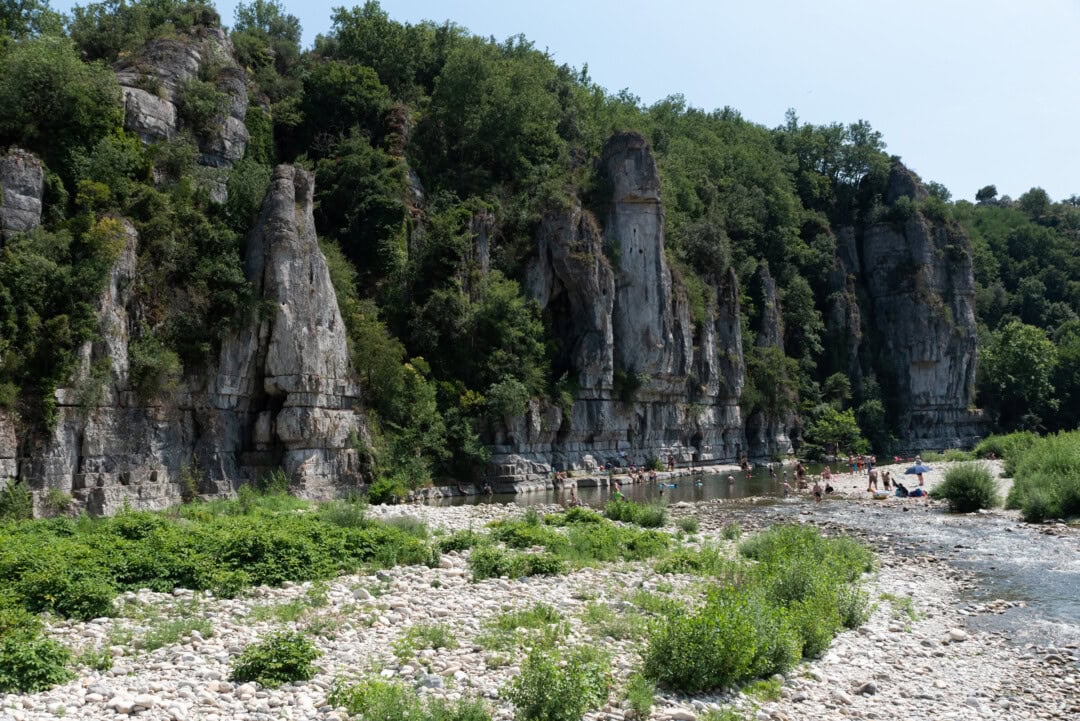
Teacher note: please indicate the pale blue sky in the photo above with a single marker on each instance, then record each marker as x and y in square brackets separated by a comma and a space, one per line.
[968, 92]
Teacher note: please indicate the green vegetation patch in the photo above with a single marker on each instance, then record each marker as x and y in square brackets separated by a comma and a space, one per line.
[29, 661]
[801, 591]
[1047, 478]
[967, 488]
[378, 700]
[75, 567]
[557, 685]
[647, 515]
[279, 658]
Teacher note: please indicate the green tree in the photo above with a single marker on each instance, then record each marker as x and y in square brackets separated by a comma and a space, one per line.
[771, 386]
[21, 19]
[491, 118]
[340, 96]
[836, 430]
[986, 194]
[1015, 375]
[53, 103]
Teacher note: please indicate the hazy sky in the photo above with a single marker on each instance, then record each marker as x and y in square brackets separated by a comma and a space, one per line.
[967, 92]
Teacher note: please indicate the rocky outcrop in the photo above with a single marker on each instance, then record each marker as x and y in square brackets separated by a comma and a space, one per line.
[572, 280]
[651, 382]
[768, 435]
[9, 449]
[291, 374]
[22, 182]
[770, 330]
[918, 278]
[643, 319]
[843, 321]
[153, 81]
[282, 394]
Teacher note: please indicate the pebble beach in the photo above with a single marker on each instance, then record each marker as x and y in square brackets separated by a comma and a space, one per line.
[918, 656]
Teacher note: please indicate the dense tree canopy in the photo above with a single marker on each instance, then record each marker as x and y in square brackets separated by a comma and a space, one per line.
[417, 133]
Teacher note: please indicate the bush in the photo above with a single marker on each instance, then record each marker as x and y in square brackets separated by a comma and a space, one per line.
[712, 648]
[199, 104]
[460, 541]
[762, 619]
[281, 658]
[547, 689]
[63, 590]
[388, 489]
[29, 662]
[1006, 447]
[639, 695]
[652, 515]
[967, 488]
[689, 524]
[16, 502]
[378, 700]
[154, 368]
[492, 562]
[1047, 478]
[578, 514]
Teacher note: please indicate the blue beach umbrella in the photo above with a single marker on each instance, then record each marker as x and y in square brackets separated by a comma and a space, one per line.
[916, 469]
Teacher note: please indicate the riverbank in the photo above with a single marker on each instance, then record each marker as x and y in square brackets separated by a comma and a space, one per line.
[916, 658]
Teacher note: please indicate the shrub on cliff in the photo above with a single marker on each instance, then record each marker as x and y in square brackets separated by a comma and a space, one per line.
[968, 487]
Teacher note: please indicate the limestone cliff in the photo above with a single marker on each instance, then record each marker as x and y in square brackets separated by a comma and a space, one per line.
[918, 280]
[280, 395]
[153, 82]
[22, 181]
[652, 383]
[766, 435]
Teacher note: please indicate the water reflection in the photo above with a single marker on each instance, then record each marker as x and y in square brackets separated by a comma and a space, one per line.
[693, 489]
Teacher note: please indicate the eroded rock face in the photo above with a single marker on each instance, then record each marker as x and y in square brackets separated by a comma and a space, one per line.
[22, 181]
[293, 372]
[282, 395]
[918, 276]
[843, 322]
[152, 82]
[572, 279]
[652, 383]
[9, 448]
[643, 318]
[766, 435]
